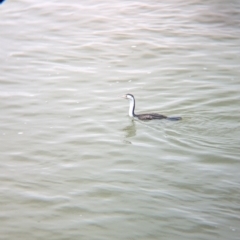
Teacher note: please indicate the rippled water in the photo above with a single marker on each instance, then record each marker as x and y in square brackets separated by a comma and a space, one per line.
[73, 165]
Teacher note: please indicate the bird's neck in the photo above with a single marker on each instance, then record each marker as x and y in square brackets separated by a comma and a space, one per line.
[131, 108]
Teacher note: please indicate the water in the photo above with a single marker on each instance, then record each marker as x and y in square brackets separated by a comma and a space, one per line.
[74, 166]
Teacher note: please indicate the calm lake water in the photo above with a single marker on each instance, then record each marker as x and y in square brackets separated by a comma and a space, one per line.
[73, 165]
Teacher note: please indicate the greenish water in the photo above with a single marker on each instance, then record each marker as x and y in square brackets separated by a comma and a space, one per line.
[73, 165]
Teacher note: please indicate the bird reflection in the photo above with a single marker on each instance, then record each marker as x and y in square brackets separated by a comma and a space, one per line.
[130, 130]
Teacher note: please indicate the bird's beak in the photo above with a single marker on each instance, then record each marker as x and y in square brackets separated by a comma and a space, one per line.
[124, 96]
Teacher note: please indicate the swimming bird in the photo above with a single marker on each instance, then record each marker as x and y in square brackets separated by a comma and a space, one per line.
[146, 116]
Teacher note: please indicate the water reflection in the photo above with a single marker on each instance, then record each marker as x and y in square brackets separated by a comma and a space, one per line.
[130, 130]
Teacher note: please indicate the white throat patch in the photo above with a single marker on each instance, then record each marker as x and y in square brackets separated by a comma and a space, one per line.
[131, 106]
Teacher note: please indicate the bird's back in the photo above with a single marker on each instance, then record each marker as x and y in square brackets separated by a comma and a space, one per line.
[150, 116]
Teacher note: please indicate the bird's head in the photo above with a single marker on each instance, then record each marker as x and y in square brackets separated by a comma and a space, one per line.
[128, 96]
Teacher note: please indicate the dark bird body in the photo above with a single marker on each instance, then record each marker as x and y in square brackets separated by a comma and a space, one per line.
[150, 116]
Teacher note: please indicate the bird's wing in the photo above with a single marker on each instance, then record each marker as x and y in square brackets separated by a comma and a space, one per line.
[151, 116]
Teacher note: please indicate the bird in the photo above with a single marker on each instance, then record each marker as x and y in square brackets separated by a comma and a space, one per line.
[146, 116]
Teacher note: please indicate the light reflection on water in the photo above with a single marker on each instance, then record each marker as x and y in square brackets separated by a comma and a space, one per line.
[74, 165]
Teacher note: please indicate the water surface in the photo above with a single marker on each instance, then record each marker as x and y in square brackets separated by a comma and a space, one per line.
[74, 165]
